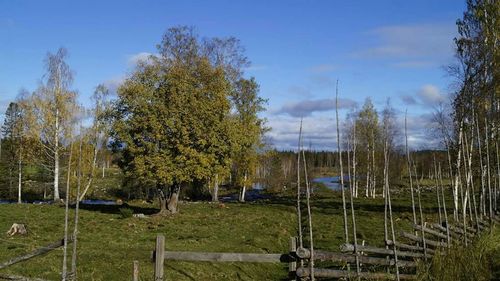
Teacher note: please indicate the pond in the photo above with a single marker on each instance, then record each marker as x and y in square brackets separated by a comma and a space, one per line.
[98, 202]
[332, 183]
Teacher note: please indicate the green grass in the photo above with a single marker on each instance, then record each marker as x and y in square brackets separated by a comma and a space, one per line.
[108, 243]
[477, 262]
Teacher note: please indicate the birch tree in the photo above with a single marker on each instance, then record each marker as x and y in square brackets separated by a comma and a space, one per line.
[249, 132]
[98, 133]
[52, 107]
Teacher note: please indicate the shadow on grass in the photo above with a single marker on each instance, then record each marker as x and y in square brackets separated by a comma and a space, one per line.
[115, 209]
[332, 203]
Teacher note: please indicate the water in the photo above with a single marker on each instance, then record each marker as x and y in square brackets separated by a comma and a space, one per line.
[332, 183]
[98, 202]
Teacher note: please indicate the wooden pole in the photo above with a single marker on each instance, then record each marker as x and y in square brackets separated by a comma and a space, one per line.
[227, 257]
[394, 247]
[448, 238]
[309, 216]
[332, 273]
[358, 269]
[349, 248]
[66, 214]
[409, 247]
[159, 257]
[292, 265]
[420, 211]
[437, 189]
[409, 171]
[37, 252]
[299, 212]
[135, 274]
[346, 234]
[77, 208]
[421, 239]
[349, 258]
[19, 278]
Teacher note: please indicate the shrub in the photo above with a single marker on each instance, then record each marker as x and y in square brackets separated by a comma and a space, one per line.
[126, 212]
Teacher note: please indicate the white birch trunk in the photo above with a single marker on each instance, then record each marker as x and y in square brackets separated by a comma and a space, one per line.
[20, 170]
[56, 158]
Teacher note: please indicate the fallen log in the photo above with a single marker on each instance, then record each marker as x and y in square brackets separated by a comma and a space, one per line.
[382, 251]
[332, 273]
[351, 258]
[37, 252]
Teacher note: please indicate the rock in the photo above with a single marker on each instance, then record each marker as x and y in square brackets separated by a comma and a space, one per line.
[141, 216]
[17, 228]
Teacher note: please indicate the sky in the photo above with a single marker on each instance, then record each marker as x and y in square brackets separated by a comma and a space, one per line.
[380, 50]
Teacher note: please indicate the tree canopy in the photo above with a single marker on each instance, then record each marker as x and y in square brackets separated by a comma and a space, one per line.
[173, 120]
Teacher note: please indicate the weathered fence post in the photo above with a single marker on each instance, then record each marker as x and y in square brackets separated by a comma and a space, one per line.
[292, 266]
[135, 276]
[159, 257]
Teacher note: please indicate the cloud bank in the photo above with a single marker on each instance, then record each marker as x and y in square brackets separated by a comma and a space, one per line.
[305, 108]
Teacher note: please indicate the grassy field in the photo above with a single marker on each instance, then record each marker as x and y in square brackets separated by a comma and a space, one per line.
[109, 243]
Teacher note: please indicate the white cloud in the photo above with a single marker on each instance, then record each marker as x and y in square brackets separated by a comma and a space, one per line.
[430, 95]
[307, 107]
[409, 42]
[319, 132]
[408, 100]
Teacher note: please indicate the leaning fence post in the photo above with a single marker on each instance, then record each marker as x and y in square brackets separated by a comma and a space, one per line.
[135, 276]
[159, 257]
[292, 265]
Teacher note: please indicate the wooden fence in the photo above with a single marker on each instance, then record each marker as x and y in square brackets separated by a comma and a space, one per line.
[409, 248]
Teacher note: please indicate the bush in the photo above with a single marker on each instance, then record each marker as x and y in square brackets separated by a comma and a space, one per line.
[126, 213]
[476, 262]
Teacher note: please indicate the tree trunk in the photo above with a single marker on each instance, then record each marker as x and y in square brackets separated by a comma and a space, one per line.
[173, 199]
[215, 193]
[243, 190]
[56, 158]
[163, 203]
[168, 205]
[91, 176]
[20, 169]
[242, 193]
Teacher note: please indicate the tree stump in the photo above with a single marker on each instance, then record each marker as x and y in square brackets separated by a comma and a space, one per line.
[17, 228]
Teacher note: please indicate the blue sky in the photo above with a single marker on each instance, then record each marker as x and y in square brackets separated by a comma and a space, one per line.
[377, 49]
